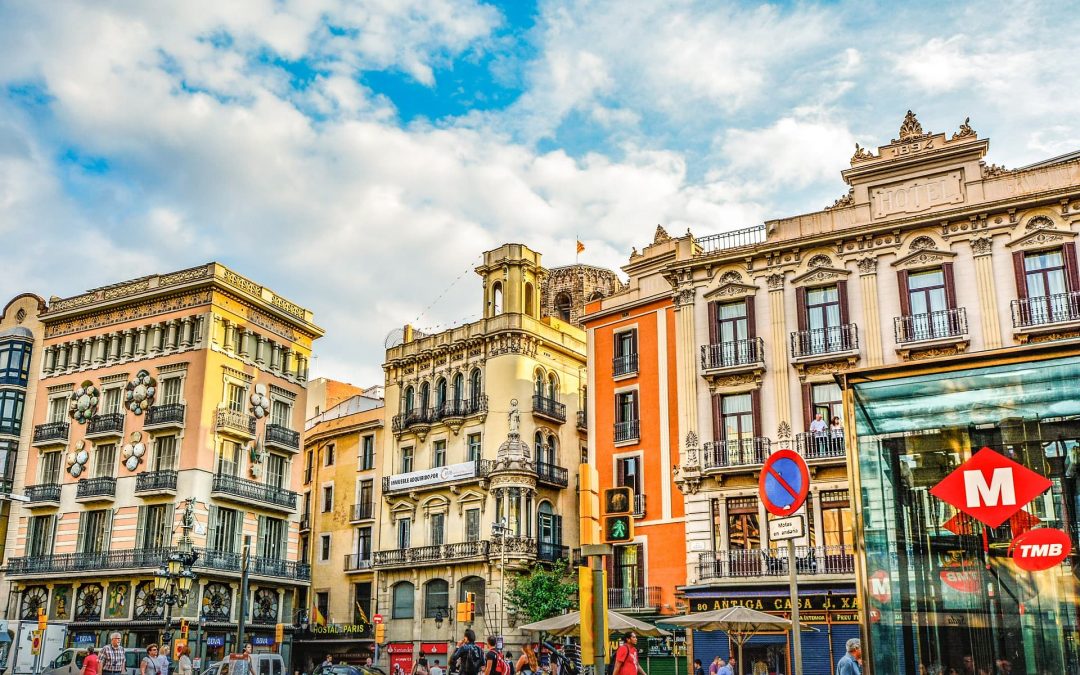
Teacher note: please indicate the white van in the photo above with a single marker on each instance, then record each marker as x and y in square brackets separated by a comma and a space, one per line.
[70, 661]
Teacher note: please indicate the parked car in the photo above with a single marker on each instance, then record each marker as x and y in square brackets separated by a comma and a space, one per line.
[261, 664]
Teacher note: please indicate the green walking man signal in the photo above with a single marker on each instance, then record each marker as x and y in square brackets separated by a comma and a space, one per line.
[618, 521]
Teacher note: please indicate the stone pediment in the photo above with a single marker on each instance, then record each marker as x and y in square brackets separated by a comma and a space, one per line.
[924, 258]
[820, 275]
[436, 502]
[1042, 237]
[403, 507]
[730, 290]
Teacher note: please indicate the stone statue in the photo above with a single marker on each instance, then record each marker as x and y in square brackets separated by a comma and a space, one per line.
[514, 418]
[189, 513]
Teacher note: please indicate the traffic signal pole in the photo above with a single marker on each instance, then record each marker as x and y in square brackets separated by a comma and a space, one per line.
[599, 614]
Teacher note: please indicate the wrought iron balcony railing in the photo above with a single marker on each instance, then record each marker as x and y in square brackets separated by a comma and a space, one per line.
[549, 408]
[727, 240]
[363, 511]
[155, 481]
[249, 489]
[582, 421]
[427, 555]
[640, 598]
[168, 413]
[106, 423]
[45, 492]
[85, 562]
[549, 552]
[103, 486]
[552, 474]
[946, 323]
[282, 437]
[235, 421]
[821, 444]
[358, 562]
[1046, 309]
[809, 560]
[639, 505]
[228, 561]
[417, 417]
[733, 353]
[736, 452]
[624, 365]
[627, 431]
[305, 522]
[51, 432]
[830, 340]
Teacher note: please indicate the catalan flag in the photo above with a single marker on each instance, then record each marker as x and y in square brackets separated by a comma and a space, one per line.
[580, 246]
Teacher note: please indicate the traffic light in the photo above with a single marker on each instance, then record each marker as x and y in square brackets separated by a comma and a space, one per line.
[41, 619]
[618, 500]
[470, 607]
[279, 633]
[380, 633]
[618, 529]
[183, 629]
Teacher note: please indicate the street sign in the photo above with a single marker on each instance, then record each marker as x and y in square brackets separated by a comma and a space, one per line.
[784, 482]
[618, 500]
[782, 529]
[990, 487]
[880, 587]
[618, 529]
[376, 618]
[1041, 549]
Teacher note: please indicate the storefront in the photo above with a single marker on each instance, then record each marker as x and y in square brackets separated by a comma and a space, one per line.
[944, 588]
[344, 643]
[832, 613]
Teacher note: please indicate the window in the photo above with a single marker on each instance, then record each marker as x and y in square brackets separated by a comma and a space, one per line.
[11, 411]
[322, 603]
[438, 530]
[475, 390]
[626, 416]
[438, 454]
[367, 494]
[538, 384]
[271, 538]
[472, 525]
[822, 320]
[628, 473]
[1044, 273]
[367, 452]
[58, 409]
[111, 402]
[836, 520]
[328, 455]
[549, 526]
[826, 400]
[410, 400]
[309, 461]
[735, 417]
[440, 394]
[744, 533]
[235, 393]
[324, 547]
[925, 300]
[15, 362]
[49, 470]
[496, 298]
[625, 353]
[403, 533]
[628, 563]
[731, 325]
[436, 598]
[472, 444]
[154, 526]
[229, 459]
[94, 530]
[363, 543]
[403, 600]
[225, 529]
[1047, 279]
[459, 391]
[164, 453]
[406, 460]
[39, 535]
[327, 498]
[474, 585]
[281, 413]
[425, 397]
[362, 603]
[277, 471]
[105, 461]
[563, 306]
[9, 455]
[171, 389]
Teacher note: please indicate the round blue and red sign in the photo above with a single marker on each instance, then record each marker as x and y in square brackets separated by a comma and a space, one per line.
[784, 483]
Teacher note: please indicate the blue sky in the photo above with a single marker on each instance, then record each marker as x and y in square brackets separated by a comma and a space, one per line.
[357, 156]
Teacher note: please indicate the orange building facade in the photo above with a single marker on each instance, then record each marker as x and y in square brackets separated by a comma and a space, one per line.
[633, 429]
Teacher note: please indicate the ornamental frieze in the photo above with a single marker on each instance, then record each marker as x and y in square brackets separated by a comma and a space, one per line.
[134, 312]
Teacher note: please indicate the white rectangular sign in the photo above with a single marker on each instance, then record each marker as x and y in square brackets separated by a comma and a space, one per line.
[441, 474]
[782, 529]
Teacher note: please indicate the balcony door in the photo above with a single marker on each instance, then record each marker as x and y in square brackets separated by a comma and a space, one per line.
[735, 426]
[824, 318]
[628, 473]
[550, 528]
[744, 536]
[731, 331]
[927, 296]
[1046, 284]
[94, 530]
[627, 573]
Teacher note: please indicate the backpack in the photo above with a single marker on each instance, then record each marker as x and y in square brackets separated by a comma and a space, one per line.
[502, 666]
[472, 661]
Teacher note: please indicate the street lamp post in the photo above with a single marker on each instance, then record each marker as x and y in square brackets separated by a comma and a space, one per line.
[174, 580]
[500, 529]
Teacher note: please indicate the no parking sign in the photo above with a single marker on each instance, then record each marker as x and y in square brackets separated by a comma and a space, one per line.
[784, 483]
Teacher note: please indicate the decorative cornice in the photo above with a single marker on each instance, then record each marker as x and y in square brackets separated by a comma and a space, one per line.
[173, 368]
[924, 257]
[114, 379]
[279, 392]
[1041, 237]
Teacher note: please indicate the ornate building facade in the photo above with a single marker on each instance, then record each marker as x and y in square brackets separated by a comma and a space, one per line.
[484, 431]
[184, 384]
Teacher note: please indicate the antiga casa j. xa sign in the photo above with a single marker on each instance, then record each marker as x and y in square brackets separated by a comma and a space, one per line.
[1041, 549]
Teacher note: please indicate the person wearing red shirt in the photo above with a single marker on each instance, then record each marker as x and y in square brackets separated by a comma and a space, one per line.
[626, 657]
[91, 665]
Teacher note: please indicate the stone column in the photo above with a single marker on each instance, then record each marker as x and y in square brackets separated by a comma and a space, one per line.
[87, 352]
[983, 248]
[242, 335]
[49, 361]
[75, 353]
[819, 526]
[140, 341]
[114, 346]
[170, 334]
[286, 361]
[61, 357]
[260, 350]
[721, 511]
[227, 341]
[763, 517]
[129, 344]
[868, 286]
[155, 338]
[686, 365]
[779, 355]
[186, 330]
[100, 348]
[302, 370]
[275, 357]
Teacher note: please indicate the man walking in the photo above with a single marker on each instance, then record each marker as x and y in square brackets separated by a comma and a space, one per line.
[728, 668]
[467, 659]
[626, 657]
[849, 663]
[113, 657]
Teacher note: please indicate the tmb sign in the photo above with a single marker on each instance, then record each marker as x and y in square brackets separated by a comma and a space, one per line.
[990, 487]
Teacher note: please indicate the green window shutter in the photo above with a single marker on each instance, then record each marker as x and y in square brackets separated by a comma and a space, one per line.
[109, 515]
[238, 518]
[261, 539]
[81, 546]
[170, 524]
[212, 528]
[140, 529]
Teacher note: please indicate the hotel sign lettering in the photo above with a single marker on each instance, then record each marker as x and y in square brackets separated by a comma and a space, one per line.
[917, 195]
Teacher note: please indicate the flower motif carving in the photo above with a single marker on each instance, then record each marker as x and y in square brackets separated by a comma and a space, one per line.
[1039, 222]
[982, 245]
[775, 281]
[861, 154]
[846, 200]
[965, 130]
[867, 265]
[922, 243]
[910, 128]
[819, 260]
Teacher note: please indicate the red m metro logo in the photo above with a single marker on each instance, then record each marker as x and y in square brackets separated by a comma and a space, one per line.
[990, 487]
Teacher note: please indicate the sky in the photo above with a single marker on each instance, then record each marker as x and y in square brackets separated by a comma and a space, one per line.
[358, 156]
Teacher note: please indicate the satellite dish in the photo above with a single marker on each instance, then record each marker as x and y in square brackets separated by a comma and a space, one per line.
[394, 338]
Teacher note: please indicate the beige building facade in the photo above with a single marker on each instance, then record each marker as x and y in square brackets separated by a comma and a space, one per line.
[170, 398]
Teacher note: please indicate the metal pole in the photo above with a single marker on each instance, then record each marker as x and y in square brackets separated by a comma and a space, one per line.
[793, 582]
[241, 624]
[599, 607]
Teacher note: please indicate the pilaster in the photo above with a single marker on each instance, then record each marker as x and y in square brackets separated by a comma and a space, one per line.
[983, 248]
[778, 353]
[868, 285]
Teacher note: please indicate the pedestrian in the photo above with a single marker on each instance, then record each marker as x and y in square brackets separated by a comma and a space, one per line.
[436, 669]
[467, 659]
[698, 670]
[714, 667]
[327, 662]
[241, 665]
[626, 657]
[527, 663]
[113, 658]
[849, 662]
[184, 665]
[509, 661]
[491, 658]
[729, 667]
[420, 667]
[149, 665]
[91, 664]
[163, 661]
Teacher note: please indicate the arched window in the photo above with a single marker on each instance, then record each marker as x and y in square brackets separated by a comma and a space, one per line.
[410, 399]
[549, 531]
[551, 450]
[597, 295]
[403, 600]
[440, 393]
[563, 303]
[474, 585]
[553, 387]
[425, 396]
[474, 386]
[496, 298]
[539, 384]
[436, 597]
[459, 390]
[529, 299]
[538, 443]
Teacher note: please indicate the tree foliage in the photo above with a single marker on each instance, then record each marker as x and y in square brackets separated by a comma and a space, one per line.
[543, 592]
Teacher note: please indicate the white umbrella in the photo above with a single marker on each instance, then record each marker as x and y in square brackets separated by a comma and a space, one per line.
[741, 623]
[570, 624]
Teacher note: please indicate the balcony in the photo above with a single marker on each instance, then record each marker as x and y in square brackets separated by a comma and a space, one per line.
[735, 453]
[66, 563]
[235, 423]
[439, 477]
[582, 421]
[548, 552]
[639, 505]
[107, 424]
[932, 326]
[433, 555]
[101, 489]
[627, 432]
[358, 562]
[641, 599]
[417, 419]
[363, 511]
[51, 433]
[162, 416]
[1044, 313]
[283, 438]
[622, 366]
[552, 475]
[766, 563]
[45, 494]
[549, 408]
[245, 491]
[227, 561]
[821, 444]
[150, 483]
[819, 344]
[733, 356]
[305, 522]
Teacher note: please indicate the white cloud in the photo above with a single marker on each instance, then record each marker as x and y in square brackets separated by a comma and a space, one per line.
[792, 152]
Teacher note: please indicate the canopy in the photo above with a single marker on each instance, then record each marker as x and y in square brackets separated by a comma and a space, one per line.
[570, 624]
[741, 623]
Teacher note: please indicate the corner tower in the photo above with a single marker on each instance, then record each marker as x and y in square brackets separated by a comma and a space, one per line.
[512, 277]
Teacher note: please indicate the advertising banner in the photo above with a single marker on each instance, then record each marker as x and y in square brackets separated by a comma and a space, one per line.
[441, 474]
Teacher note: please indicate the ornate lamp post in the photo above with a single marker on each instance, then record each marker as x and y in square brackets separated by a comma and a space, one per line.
[500, 529]
[174, 580]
